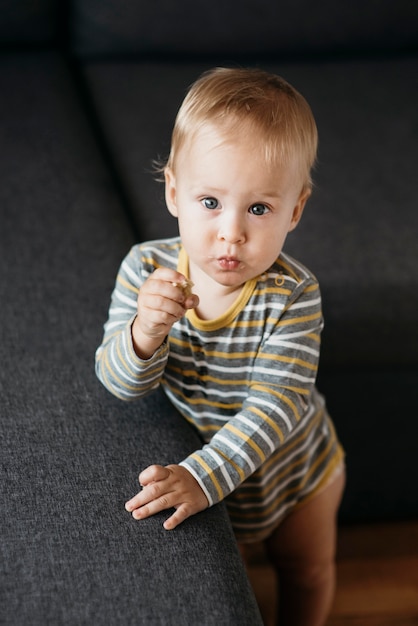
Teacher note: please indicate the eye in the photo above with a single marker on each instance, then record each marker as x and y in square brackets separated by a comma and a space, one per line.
[210, 203]
[259, 209]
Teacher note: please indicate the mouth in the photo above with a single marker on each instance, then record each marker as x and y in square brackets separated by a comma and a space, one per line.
[228, 263]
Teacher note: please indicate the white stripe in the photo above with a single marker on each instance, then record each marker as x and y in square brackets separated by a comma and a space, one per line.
[259, 431]
[131, 302]
[285, 374]
[129, 271]
[161, 254]
[278, 341]
[275, 408]
[207, 393]
[237, 449]
[220, 462]
[199, 480]
[304, 305]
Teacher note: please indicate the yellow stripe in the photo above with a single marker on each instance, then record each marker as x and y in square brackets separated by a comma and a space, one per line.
[280, 453]
[285, 399]
[247, 440]
[207, 377]
[314, 336]
[300, 320]
[151, 261]
[288, 359]
[204, 401]
[127, 285]
[147, 374]
[269, 421]
[240, 355]
[255, 323]
[262, 493]
[109, 386]
[217, 353]
[299, 390]
[236, 467]
[289, 269]
[280, 290]
[120, 381]
[108, 367]
[265, 512]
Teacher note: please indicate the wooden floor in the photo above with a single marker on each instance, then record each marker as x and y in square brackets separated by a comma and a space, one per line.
[377, 577]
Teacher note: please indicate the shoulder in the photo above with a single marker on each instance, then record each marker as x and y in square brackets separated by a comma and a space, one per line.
[293, 270]
[150, 255]
[287, 275]
[285, 284]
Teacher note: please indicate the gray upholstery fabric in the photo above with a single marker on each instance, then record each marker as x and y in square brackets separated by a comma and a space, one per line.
[70, 453]
[161, 27]
[28, 22]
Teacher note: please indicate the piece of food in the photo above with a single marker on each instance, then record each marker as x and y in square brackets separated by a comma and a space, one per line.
[186, 287]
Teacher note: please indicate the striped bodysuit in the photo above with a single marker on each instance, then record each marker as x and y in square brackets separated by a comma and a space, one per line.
[245, 380]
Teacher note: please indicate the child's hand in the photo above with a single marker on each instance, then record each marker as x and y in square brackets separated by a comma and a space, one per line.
[164, 488]
[161, 302]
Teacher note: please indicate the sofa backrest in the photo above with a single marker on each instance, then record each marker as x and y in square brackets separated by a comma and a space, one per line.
[30, 22]
[252, 27]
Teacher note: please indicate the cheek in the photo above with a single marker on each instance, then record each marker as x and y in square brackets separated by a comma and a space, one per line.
[271, 245]
[190, 232]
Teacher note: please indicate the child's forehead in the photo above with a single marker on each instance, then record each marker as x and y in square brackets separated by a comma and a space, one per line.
[220, 157]
[242, 136]
[212, 136]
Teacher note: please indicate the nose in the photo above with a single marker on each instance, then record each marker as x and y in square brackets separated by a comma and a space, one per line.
[231, 228]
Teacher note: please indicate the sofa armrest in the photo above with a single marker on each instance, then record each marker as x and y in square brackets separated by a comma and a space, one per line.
[70, 453]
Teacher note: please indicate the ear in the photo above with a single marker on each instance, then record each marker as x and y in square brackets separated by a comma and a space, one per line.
[170, 191]
[298, 210]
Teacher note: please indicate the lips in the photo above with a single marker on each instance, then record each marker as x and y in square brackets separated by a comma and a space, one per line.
[229, 263]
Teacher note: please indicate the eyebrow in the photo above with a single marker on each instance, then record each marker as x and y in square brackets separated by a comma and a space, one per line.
[218, 190]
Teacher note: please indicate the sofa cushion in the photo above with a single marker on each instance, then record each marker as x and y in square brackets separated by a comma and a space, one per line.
[70, 453]
[162, 27]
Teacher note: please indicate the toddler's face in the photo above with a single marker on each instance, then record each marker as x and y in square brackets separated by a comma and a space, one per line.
[234, 212]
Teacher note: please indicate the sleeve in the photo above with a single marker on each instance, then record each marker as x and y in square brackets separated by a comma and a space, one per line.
[279, 396]
[118, 367]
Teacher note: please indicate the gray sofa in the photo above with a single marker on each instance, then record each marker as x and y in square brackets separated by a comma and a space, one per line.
[88, 94]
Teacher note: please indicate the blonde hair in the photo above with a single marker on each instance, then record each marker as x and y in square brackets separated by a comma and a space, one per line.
[264, 103]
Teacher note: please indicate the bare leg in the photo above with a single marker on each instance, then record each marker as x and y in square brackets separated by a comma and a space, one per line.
[302, 550]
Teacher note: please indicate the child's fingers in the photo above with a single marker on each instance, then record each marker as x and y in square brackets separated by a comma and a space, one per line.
[153, 491]
[153, 473]
[168, 283]
[148, 501]
[165, 488]
[168, 275]
[191, 302]
[181, 514]
[153, 506]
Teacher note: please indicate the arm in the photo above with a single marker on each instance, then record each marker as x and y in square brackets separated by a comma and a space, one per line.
[144, 306]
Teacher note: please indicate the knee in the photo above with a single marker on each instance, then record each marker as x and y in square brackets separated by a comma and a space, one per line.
[308, 575]
[315, 575]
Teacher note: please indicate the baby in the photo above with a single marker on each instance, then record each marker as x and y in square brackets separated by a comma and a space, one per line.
[239, 356]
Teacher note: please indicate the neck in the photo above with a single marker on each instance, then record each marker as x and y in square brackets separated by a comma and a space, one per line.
[214, 298]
